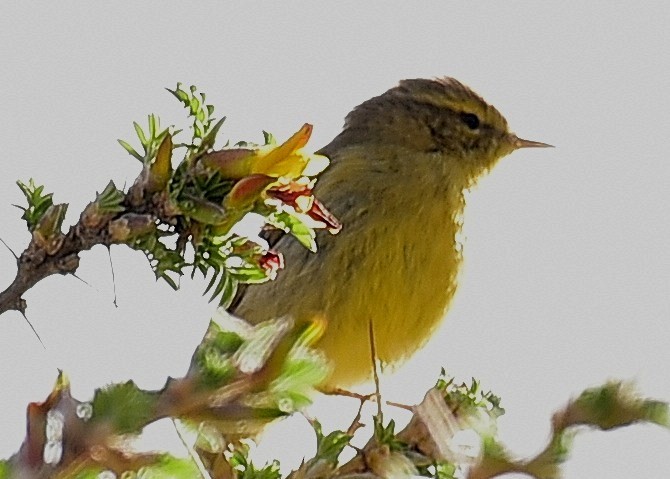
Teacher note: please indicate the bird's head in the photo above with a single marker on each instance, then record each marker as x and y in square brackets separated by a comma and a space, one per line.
[440, 117]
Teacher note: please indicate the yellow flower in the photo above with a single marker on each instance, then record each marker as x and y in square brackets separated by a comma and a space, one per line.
[287, 160]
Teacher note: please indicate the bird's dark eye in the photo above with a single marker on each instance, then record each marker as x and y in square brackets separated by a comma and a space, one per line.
[471, 120]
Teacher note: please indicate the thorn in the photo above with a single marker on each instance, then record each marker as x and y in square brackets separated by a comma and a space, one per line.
[111, 265]
[10, 249]
[34, 330]
[193, 454]
[84, 281]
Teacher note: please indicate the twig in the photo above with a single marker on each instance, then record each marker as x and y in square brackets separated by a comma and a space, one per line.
[401, 406]
[356, 424]
[375, 373]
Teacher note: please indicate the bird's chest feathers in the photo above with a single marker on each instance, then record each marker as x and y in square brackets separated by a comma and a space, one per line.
[401, 271]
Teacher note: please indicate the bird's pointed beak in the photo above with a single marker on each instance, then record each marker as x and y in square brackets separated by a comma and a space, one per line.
[521, 143]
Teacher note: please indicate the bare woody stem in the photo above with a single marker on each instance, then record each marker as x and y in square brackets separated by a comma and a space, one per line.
[35, 264]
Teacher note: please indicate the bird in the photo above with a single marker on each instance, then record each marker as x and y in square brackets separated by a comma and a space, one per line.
[397, 179]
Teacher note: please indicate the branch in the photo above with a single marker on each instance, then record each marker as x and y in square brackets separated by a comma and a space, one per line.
[237, 385]
[51, 252]
[428, 446]
[197, 203]
[35, 264]
[66, 436]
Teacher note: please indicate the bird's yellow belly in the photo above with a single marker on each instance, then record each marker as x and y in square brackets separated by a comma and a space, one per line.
[401, 291]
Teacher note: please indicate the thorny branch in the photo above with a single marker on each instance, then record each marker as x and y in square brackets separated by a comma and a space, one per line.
[89, 432]
[35, 263]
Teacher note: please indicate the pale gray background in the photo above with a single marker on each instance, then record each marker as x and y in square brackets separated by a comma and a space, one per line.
[566, 278]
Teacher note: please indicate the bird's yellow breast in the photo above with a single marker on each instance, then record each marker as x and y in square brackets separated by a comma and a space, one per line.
[393, 265]
[397, 272]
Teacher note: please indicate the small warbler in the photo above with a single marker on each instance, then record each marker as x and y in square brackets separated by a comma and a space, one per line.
[396, 182]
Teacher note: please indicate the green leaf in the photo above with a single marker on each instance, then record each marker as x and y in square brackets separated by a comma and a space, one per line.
[445, 470]
[194, 105]
[109, 200]
[250, 274]
[216, 366]
[268, 138]
[212, 281]
[239, 461]
[226, 342]
[140, 134]
[165, 277]
[125, 407]
[153, 125]
[616, 404]
[169, 467]
[92, 472]
[228, 294]
[385, 435]
[223, 280]
[51, 221]
[160, 169]
[210, 137]
[38, 203]
[5, 470]
[225, 288]
[180, 94]
[197, 131]
[469, 400]
[202, 210]
[291, 224]
[331, 446]
[166, 467]
[130, 150]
